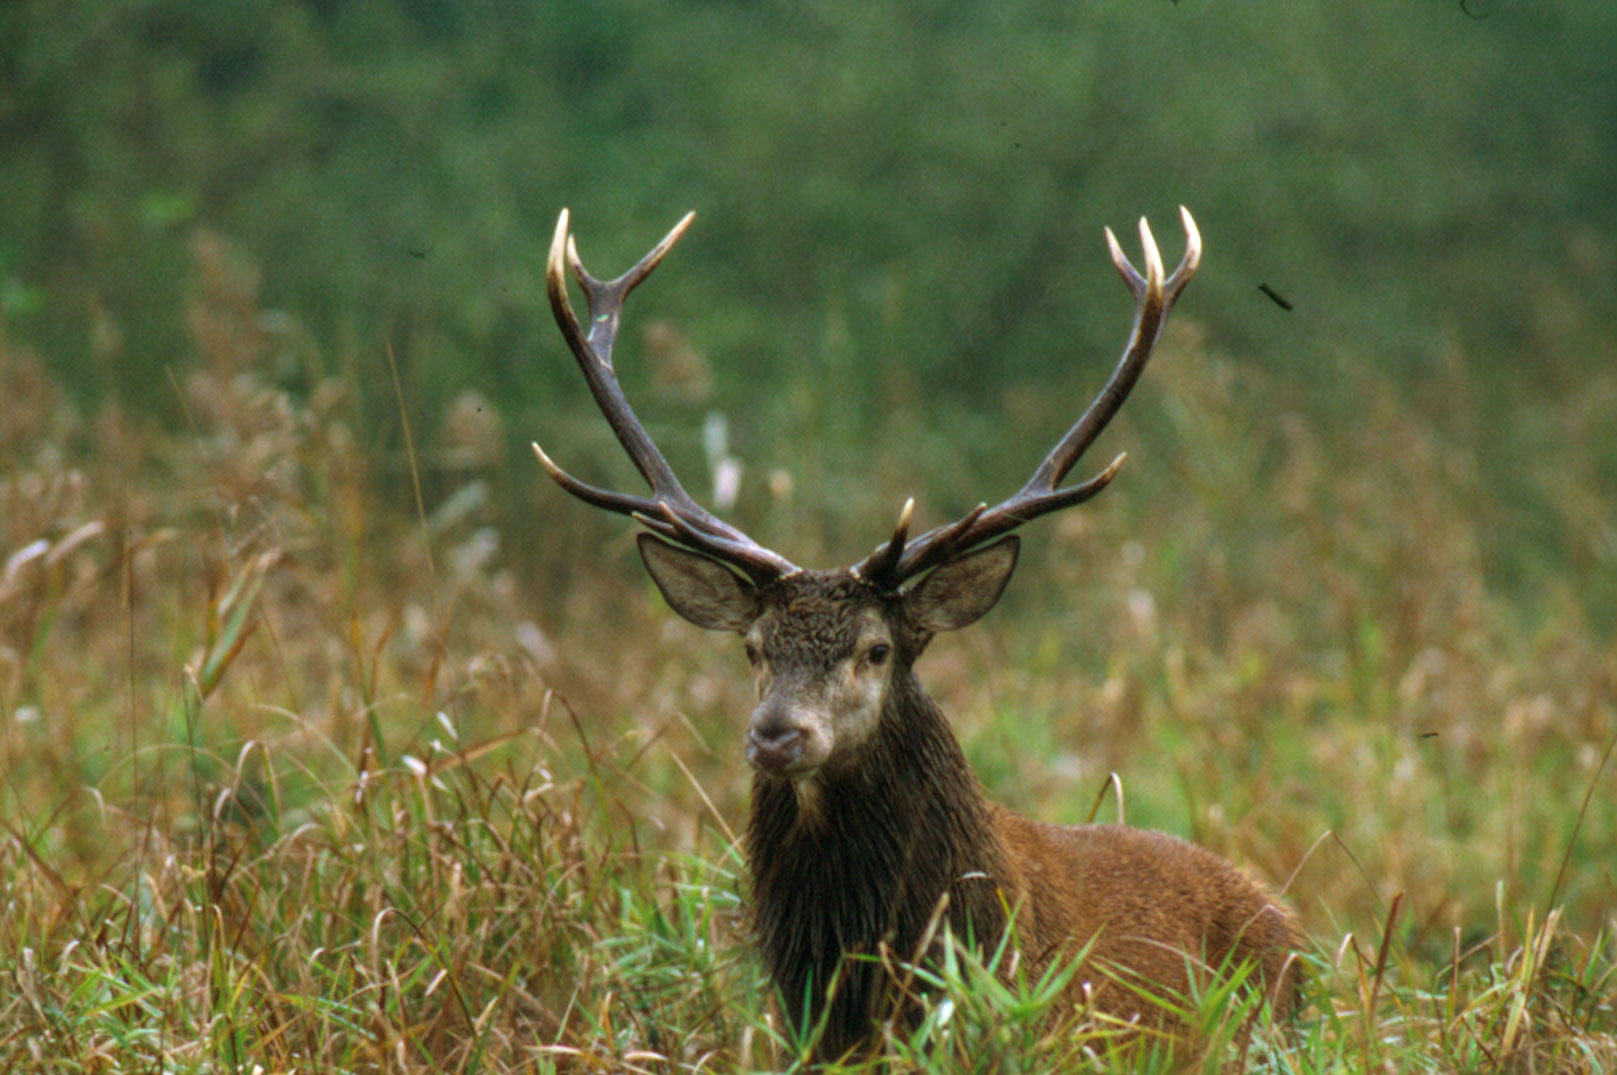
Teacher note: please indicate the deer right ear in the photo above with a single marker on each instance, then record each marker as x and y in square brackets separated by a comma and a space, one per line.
[962, 591]
[703, 591]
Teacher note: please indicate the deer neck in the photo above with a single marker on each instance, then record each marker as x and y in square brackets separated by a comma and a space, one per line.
[861, 864]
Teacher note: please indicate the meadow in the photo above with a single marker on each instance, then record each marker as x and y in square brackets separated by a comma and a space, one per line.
[325, 750]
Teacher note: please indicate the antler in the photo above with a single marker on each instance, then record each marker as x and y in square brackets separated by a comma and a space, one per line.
[897, 560]
[670, 510]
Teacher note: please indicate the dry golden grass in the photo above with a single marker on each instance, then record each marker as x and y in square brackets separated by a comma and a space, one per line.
[301, 775]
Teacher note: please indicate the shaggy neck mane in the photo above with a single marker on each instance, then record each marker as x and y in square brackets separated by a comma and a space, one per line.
[865, 867]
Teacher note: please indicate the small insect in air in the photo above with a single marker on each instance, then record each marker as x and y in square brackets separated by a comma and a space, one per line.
[1276, 297]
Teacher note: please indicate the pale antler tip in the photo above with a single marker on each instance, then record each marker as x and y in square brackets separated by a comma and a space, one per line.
[558, 248]
[643, 268]
[886, 558]
[677, 232]
[557, 475]
[1120, 260]
[1193, 240]
[1153, 256]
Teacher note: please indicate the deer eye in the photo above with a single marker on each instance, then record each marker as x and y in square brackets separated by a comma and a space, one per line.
[878, 653]
[752, 653]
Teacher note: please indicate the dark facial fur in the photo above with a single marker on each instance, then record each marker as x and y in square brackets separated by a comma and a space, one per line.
[823, 650]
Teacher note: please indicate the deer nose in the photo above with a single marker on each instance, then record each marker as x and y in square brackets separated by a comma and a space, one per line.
[775, 744]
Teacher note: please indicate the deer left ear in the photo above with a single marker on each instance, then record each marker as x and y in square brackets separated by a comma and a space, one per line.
[963, 590]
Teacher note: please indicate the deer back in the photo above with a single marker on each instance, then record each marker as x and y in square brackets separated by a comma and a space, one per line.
[1150, 912]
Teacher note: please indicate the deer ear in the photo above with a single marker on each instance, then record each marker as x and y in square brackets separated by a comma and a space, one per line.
[703, 591]
[962, 591]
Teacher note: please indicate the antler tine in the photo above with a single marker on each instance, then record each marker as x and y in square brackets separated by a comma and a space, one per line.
[885, 560]
[1188, 264]
[621, 503]
[1154, 296]
[692, 524]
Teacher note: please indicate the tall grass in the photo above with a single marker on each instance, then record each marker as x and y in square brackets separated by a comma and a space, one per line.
[300, 774]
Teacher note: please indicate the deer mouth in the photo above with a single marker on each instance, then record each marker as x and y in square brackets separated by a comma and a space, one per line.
[777, 755]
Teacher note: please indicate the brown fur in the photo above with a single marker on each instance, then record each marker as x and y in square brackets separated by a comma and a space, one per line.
[1154, 909]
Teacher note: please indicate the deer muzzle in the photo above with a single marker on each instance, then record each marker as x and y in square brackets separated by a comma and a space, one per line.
[780, 742]
[775, 748]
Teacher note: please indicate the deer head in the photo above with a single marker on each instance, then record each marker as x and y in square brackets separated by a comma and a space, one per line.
[825, 647]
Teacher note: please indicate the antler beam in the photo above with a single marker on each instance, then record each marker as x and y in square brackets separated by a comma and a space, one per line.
[670, 510]
[1154, 297]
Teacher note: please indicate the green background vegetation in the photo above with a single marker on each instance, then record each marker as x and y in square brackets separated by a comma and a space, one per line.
[273, 342]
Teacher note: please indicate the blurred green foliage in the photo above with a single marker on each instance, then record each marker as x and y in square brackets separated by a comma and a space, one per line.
[900, 206]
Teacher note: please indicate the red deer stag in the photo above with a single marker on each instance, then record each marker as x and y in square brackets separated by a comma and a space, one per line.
[866, 819]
